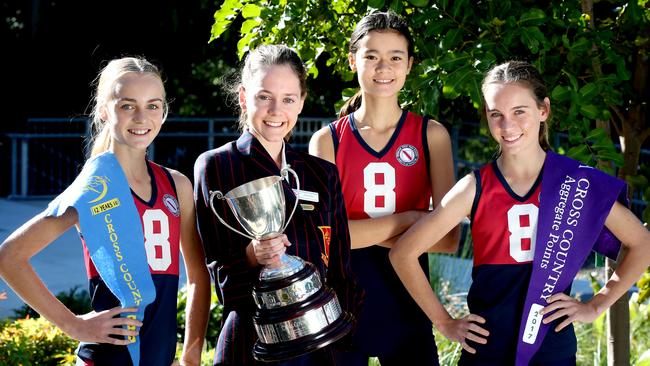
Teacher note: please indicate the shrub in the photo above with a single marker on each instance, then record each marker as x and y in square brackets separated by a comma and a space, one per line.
[34, 342]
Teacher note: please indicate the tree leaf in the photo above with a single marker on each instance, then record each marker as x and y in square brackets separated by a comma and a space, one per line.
[596, 134]
[250, 11]
[561, 93]
[223, 17]
[474, 89]
[452, 38]
[581, 45]
[248, 25]
[437, 28]
[637, 181]
[612, 156]
[396, 6]
[572, 79]
[419, 3]
[588, 92]
[455, 81]
[590, 111]
[533, 16]
[348, 92]
[633, 12]
[580, 153]
[459, 7]
[451, 60]
[528, 40]
[376, 4]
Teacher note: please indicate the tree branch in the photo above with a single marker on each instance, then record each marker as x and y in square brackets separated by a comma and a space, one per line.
[621, 117]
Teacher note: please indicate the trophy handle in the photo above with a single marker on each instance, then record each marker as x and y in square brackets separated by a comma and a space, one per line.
[221, 197]
[283, 173]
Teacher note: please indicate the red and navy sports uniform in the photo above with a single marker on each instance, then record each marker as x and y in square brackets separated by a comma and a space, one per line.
[378, 183]
[160, 218]
[319, 235]
[504, 226]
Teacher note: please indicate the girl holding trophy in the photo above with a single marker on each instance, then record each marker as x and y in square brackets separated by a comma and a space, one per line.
[133, 217]
[535, 216]
[271, 93]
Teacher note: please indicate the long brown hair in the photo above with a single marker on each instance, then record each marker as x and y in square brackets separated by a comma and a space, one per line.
[100, 139]
[527, 76]
[377, 21]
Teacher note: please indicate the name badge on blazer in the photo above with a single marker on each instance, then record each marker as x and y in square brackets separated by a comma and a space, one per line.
[308, 196]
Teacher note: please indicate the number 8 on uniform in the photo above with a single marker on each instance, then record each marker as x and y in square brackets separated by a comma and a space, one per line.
[379, 182]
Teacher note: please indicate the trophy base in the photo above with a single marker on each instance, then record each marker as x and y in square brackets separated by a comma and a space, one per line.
[275, 352]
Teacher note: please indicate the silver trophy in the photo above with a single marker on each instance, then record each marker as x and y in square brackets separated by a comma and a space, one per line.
[296, 313]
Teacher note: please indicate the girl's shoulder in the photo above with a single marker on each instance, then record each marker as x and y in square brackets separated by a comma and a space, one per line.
[212, 156]
[179, 181]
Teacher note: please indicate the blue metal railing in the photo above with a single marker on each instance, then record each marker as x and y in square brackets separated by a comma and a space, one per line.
[48, 156]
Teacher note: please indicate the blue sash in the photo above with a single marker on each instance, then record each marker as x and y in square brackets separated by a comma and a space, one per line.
[112, 230]
[574, 203]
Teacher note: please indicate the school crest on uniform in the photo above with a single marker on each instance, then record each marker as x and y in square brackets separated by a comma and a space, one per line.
[327, 237]
[172, 204]
[407, 154]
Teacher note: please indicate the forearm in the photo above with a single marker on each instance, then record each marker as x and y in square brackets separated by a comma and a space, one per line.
[367, 232]
[448, 244]
[197, 312]
[389, 243]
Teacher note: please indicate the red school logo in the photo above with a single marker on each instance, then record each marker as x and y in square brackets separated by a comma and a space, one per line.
[327, 237]
[407, 154]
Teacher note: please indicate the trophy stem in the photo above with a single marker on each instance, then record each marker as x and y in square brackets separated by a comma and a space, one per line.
[286, 266]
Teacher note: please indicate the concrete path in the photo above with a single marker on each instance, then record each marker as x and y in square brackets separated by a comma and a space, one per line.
[60, 265]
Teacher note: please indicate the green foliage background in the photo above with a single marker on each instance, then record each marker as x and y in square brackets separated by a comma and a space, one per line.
[457, 41]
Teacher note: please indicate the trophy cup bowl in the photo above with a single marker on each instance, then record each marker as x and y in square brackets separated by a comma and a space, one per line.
[296, 313]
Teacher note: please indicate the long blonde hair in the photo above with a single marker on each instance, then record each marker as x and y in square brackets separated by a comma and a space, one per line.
[100, 139]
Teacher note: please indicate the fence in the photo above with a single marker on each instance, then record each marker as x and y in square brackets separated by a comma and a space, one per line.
[48, 156]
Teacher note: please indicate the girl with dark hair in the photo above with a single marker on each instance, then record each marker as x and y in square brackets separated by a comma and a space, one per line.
[271, 95]
[535, 217]
[392, 164]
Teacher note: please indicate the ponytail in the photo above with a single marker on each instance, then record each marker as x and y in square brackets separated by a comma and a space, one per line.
[351, 104]
[543, 136]
[101, 142]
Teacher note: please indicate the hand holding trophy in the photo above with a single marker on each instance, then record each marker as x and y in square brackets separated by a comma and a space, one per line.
[296, 313]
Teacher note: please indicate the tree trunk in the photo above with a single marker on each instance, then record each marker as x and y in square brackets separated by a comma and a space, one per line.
[618, 324]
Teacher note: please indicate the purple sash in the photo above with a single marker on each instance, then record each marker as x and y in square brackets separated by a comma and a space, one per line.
[574, 203]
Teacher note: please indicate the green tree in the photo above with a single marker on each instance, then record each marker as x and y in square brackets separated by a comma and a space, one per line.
[593, 53]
